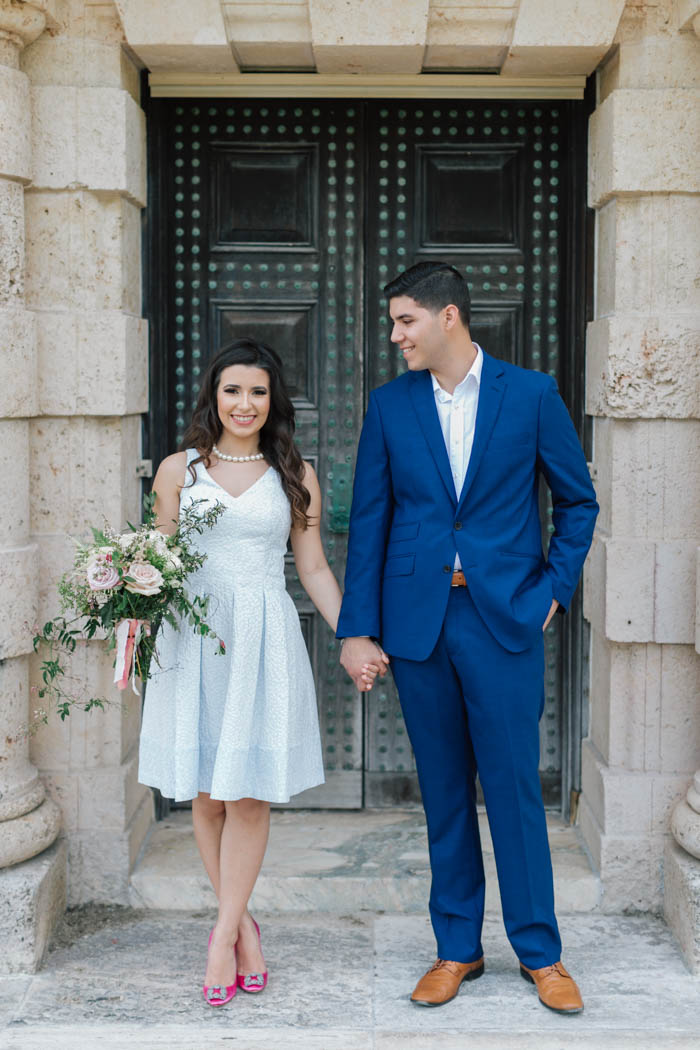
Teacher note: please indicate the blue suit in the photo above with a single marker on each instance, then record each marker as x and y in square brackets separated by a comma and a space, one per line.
[469, 663]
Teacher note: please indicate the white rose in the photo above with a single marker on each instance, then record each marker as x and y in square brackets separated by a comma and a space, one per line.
[144, 578]
[158, 540]
[172, 561]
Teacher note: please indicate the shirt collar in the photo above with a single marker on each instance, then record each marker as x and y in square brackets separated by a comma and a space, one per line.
[473, 375]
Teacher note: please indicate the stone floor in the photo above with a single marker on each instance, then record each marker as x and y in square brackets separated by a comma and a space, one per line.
[120, 979]
[341, 862]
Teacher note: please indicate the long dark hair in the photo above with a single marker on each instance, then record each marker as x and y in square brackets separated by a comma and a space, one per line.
[277, 434]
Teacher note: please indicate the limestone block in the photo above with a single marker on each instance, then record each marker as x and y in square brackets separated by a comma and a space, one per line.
[646, 477]
[92, 363]
[79, 62]
[15, 125]
[653, 61]
[63, 787]
[83, 252]
[32, 900]
[631, 867]
[643, 367]
[640, 591]
[600, 695]
[18, 385]
[548, 23]
[682, 901]
[19, 587]
[697, 600]
[644, 142]
[594, 582]
[648, 255]
[561, 37]
[184, 34]
[674, 592]
[93, 20]
[108, 798]
[100, 862]
[82, 470]
[620, 800]
[14, 507]
[11, 242]
[679, 735]
[467, 36]
[625, 694]
[93, 137]
[268, 34]
[629, 590]
[364, 37]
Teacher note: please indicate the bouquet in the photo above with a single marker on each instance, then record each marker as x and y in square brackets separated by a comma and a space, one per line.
[125, 585]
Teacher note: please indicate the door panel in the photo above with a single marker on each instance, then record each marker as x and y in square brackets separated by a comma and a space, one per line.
[479, 186]
[282, 220]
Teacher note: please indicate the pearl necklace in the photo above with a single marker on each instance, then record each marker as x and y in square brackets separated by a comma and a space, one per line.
[236, 459]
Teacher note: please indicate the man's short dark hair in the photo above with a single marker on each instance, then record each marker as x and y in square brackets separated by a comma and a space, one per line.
[433, 285]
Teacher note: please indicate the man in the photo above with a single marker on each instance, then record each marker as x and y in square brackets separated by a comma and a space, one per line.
[446, 571]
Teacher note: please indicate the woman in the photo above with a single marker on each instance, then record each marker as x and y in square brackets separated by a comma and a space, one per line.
[235, 732]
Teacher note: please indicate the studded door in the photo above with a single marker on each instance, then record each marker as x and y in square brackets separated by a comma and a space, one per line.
[282, 220]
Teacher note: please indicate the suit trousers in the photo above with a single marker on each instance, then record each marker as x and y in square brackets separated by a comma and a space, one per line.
[471, 707]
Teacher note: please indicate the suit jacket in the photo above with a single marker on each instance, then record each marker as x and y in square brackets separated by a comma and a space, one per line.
[407, 521]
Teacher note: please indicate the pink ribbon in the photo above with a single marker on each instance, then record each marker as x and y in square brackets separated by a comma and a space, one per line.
[128, 636]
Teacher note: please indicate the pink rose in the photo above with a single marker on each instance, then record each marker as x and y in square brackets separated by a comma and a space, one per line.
[146, 578]
[101, 576]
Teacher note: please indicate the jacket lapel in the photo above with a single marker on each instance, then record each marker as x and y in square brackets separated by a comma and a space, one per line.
[423, 397]
[491, 391]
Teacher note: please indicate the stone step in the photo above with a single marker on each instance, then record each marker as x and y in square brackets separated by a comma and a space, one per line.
[120, 979]
[341, 863]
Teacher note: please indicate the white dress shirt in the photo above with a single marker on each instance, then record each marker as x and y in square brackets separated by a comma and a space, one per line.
[457, 415]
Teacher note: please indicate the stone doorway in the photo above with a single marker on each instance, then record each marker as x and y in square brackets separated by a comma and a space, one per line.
[283, 219]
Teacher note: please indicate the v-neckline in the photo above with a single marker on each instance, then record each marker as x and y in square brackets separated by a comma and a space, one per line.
[241, 494]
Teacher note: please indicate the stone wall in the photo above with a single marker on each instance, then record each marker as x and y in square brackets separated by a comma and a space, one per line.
[81, 448]
[643, 388]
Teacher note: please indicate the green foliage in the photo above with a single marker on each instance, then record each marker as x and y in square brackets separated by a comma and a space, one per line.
[96, 609]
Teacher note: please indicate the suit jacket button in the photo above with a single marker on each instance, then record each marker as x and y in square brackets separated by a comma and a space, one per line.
[447, 568]
[458, 525]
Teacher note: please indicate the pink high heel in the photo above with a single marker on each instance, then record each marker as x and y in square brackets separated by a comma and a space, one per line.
[253, 982]
[215, 994]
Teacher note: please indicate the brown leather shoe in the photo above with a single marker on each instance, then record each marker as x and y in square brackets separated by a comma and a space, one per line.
[441, 983]
[556, 988]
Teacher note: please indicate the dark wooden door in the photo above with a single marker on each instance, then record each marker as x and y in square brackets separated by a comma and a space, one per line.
[282, 220]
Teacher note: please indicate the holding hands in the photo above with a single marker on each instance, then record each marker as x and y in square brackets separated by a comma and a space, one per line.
[363, 660]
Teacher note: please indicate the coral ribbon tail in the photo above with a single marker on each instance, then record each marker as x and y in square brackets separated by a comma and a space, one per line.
[128, 634]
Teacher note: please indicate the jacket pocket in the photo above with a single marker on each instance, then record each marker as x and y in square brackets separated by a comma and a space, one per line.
[521, 439]
[520, 554]
[399, 565]
[407, 531]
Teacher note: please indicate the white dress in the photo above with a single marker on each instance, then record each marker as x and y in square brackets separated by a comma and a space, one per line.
[243, 724]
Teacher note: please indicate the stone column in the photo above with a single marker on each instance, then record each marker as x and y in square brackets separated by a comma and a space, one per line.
[29, 821]
[682, 861]
[643, 388]
[83, 281]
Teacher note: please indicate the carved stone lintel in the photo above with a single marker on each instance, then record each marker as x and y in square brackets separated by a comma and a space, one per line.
[685, 820]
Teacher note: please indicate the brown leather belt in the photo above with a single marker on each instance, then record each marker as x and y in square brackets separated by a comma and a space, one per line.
[459, 579]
